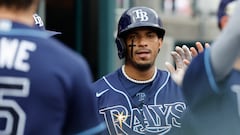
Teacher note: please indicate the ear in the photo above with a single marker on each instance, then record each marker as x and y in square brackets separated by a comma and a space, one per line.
[223, 21]
[160, 40]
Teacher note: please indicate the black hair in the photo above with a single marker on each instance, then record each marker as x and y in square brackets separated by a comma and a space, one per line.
[17, 4]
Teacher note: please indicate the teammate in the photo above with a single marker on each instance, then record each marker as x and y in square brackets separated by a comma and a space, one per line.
[45, 88]
[138, 98]
[224, 10]
[211, 84]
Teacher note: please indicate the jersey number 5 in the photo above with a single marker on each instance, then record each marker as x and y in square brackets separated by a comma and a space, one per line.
[12, 116]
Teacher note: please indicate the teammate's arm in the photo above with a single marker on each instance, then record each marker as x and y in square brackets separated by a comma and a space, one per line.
[226, 47]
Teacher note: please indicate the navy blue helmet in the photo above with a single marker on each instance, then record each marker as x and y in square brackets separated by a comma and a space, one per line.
[136, 17]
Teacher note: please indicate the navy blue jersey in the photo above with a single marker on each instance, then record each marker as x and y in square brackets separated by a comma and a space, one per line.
[213, 106]
[131, 108]
[45, 88]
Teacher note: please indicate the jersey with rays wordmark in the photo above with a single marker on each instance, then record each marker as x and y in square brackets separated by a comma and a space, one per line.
[129, 108]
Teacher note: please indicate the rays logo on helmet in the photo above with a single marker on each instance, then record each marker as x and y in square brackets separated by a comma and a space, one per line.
[140, 14]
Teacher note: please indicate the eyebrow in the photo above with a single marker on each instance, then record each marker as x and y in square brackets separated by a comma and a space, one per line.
[147, 31]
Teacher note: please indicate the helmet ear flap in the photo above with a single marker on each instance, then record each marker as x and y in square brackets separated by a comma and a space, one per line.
[121, 47]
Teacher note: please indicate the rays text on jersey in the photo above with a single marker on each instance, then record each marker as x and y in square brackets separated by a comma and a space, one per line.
[156, 119]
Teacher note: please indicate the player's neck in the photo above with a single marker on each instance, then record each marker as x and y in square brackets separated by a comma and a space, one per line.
[139, 76]
[21, 16]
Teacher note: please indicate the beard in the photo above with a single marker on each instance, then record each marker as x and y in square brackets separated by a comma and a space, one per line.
[142, 67]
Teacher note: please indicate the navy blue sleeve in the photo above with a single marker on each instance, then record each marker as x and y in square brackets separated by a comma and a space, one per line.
[198, 82]
[82, 111]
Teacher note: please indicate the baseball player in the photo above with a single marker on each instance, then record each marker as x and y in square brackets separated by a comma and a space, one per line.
[211, 84]
[138, 98]
[45, 88]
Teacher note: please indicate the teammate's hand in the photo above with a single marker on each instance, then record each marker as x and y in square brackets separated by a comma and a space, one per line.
[182, 57]
[199, 47]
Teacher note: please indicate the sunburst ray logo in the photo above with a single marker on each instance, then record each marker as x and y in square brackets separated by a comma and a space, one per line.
[120, 117]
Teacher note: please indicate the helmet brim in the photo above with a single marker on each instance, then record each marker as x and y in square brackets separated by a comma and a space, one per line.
[160, 31]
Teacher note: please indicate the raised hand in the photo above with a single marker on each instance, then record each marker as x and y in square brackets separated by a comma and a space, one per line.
[181, 57]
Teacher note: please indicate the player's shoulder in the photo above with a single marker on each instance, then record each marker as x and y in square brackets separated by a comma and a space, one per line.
[111, 79]
[64, 57]
[112, 75]
[65, 51]
[107, 78]
[163, 74]
[100, 87]
[164, 78]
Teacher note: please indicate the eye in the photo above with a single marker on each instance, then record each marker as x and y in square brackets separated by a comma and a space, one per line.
[151, 35]
[132, 37]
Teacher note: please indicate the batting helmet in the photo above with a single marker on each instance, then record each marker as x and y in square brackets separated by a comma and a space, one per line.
[136, 17]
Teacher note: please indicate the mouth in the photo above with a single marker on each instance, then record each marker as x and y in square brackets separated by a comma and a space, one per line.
[143, 53]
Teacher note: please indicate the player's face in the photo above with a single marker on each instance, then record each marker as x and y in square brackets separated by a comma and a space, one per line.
[143, 45]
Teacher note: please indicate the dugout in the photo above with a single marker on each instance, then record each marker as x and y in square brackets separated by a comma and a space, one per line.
[87, 27]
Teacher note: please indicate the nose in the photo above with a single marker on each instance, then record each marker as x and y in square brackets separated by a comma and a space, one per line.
[142, 42]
